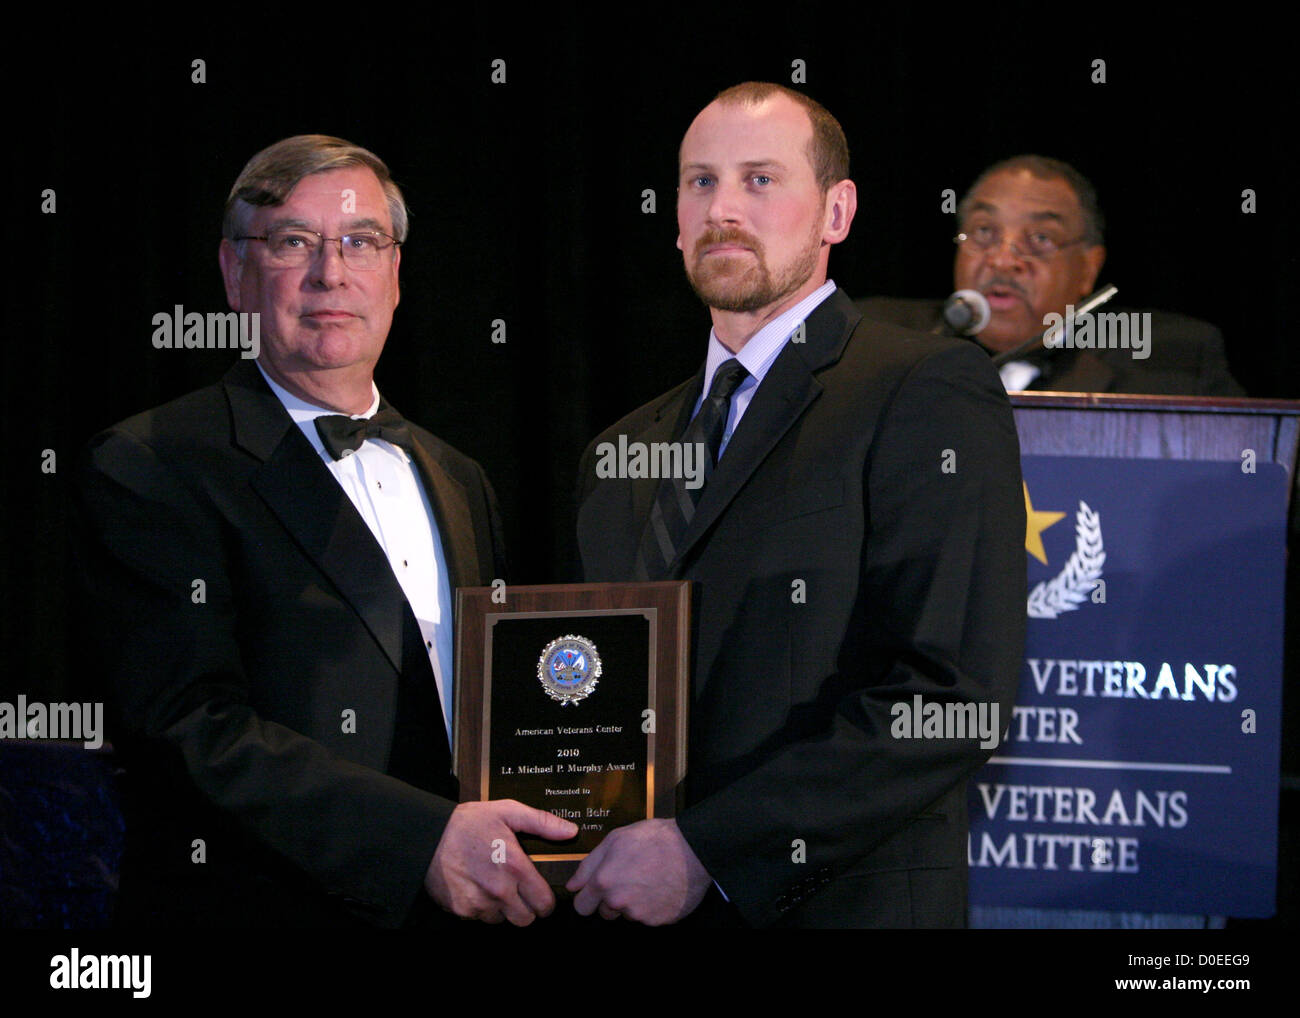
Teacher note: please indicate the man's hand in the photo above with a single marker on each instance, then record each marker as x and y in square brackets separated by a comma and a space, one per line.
[479, 870]
[645, 871]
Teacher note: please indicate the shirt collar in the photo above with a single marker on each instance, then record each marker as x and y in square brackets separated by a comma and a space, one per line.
[758, 355]
[304, 414]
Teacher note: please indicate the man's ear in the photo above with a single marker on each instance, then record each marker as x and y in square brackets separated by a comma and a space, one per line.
[679, 232]
[841, 205]
[232, 268]
[397, 287]
[1093, 259]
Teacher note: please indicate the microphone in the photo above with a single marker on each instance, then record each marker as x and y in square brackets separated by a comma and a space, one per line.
[966, 312]
[1050, 335]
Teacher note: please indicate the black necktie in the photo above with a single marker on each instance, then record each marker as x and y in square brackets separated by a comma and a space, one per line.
[343, 435]
[674, 505]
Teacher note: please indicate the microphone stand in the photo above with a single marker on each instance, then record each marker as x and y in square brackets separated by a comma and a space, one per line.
[1090, 303]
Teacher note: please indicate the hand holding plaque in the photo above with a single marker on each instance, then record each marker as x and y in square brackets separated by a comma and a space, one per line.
[571, 699]
[646, 872]
[499, 882]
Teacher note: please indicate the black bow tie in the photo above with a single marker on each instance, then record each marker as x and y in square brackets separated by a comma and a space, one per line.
[343, 435]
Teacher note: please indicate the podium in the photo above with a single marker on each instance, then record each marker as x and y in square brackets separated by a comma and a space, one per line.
[1140, 768]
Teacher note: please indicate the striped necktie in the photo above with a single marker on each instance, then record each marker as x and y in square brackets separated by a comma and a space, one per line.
[674, 504]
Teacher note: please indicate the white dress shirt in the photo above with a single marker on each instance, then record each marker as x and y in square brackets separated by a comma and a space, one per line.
[1017, 375]
[385, 486]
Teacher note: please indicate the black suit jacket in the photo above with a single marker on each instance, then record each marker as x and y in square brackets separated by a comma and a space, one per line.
[1187, 356]
[241, 607]
[838, 569]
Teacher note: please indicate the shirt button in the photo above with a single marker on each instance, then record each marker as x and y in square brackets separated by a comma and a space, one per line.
[428, 644]
[405, 564]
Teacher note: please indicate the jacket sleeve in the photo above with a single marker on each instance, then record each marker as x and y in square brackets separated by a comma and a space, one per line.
[160, 567]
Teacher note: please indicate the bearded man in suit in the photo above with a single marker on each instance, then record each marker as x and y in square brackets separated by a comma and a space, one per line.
[271, 562]
[857, 546]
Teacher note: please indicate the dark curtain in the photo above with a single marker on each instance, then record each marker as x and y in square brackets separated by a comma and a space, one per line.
[527, 202]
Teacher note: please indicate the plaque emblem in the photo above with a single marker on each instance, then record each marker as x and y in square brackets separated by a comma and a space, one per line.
[569, 668]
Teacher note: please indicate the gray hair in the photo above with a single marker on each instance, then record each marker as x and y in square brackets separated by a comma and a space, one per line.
[276, 170]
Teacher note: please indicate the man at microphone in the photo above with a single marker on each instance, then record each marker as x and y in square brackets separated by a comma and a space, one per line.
[1030, 242]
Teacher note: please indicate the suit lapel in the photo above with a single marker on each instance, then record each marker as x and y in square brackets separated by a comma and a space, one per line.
[455, 525]
[298, 488]
[671, 418]
[787, 390]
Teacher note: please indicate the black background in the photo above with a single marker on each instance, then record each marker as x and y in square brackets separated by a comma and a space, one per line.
[526, 206]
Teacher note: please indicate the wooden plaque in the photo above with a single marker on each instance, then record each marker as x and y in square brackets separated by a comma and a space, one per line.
[572, 698]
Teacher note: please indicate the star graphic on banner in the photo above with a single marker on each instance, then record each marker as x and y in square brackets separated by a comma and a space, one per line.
[1035, 523]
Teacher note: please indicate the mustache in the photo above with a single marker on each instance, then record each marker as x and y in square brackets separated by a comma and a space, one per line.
[1004, 282]
[734, 236]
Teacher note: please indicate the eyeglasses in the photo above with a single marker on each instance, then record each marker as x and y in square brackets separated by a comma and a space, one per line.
[1032, 244]
[291, 247]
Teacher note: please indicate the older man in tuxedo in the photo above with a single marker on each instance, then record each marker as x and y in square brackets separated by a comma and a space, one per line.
[857, 546]
[271, 562]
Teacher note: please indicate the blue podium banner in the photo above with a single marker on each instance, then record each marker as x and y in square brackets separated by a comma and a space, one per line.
[1139, 771]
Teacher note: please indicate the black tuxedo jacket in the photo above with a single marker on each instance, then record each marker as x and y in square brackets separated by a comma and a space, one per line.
[1187, 357]
[242, 608]
[860, 542]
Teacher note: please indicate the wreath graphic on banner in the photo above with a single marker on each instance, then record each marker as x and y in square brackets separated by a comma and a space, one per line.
[1072, 585]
